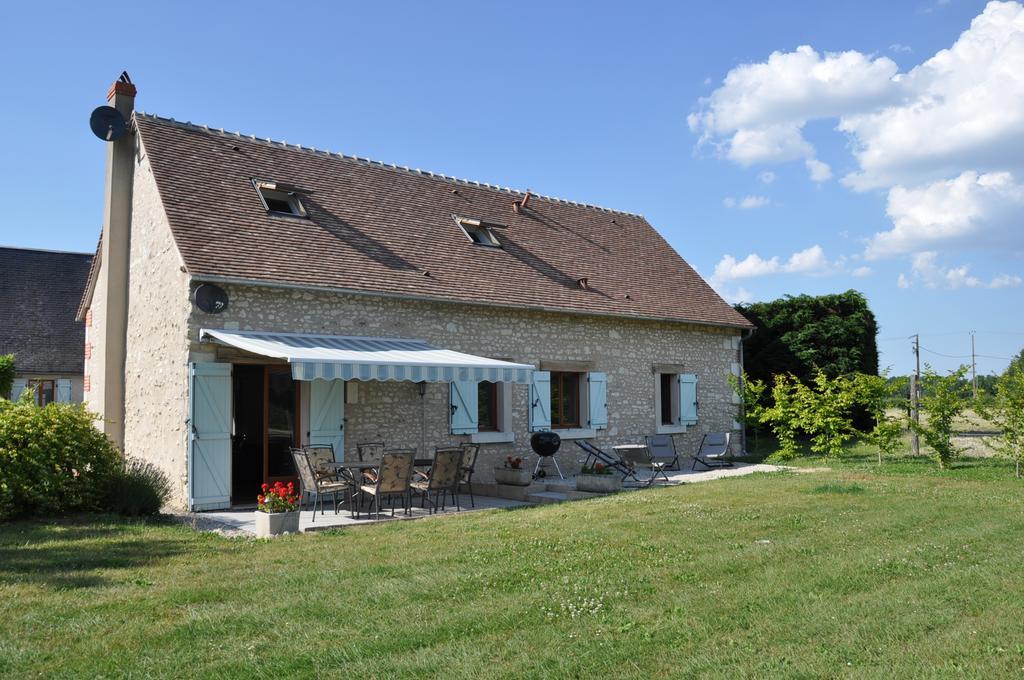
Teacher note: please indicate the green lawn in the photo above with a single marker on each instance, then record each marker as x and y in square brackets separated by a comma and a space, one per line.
[861, 572]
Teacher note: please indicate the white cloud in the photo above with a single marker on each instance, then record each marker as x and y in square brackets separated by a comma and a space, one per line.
[902, 281]
[959, 110]
[766, 177]
[971, 210]
[762, 108]
[808, 261]
[746, 203]
[819, 170]
[900, 47]
[861, 272]
[926, 270]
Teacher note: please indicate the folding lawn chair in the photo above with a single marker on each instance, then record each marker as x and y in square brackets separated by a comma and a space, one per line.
[714, 448]
[609, 460]
[663, 449]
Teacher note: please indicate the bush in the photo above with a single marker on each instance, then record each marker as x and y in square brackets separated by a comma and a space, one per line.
[137, 488]
[53, 459]
[6, 374]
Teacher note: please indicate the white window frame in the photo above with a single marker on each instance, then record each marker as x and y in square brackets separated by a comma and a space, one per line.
[504, 433]
[467, 224]
[272, 190]
[659, 427]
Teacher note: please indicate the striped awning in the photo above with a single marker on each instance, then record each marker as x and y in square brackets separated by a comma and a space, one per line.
[335, 357]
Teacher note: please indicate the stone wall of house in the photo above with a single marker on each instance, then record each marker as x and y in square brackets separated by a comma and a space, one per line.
[393, 412]
[156, 364]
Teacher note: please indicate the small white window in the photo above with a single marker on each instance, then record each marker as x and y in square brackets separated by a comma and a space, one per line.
[280, 199]
[479, 232]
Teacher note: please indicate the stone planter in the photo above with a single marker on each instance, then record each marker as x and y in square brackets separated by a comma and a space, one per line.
[512, 476]
[599, 483]
[276, 523]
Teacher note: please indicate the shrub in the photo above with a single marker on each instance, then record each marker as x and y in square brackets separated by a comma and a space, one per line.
[944, 398]
[6, 374]
[53, 458]
[137, 488]
[784, 416]
[1007, 413]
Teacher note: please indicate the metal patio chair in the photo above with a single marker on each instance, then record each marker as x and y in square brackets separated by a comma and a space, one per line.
[714, 448]
[469, 454]
[393, 479]
[370, 452]
[443, 478]
[314, 485]
[609, 460]
[663, 448]
[640, 456]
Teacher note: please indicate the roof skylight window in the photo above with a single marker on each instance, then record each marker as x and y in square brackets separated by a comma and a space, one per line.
[479, 232]
[281, 199]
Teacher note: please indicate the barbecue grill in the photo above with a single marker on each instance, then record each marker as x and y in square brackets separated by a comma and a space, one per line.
[545, 445]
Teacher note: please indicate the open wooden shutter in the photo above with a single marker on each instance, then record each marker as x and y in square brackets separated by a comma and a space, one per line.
[598, 400]
[540, 401]
[687, 399]
[209, 464]
[464, 407]
[327, 415]
[64, 391]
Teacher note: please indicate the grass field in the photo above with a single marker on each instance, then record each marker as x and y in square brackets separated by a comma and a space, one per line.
[859, 572]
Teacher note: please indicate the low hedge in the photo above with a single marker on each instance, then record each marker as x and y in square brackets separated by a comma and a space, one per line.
[52, 459]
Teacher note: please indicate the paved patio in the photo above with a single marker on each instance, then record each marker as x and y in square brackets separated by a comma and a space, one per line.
[241, 521]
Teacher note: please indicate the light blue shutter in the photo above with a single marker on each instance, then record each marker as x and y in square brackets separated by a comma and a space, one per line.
[209, 466]
[327, 415]
[64, 391]
[687, 399]
[17, 387]
[540, 401]
[464, 407]
[598, 400]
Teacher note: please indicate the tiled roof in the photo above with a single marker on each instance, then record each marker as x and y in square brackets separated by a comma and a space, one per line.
[39, 293]
[379, 228]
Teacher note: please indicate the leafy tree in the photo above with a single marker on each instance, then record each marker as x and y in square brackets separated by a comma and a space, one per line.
[1007, 413]
[878, 393]
[6, 374]
[751, 393]
[944, 398]
[802, 335]
[1016, 364]
[826, 408]
[783, 416]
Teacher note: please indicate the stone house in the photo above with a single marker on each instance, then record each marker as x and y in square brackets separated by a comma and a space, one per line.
[39, 292]
[253, 294]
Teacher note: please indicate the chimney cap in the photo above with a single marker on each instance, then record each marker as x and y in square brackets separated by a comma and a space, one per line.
[122, 86]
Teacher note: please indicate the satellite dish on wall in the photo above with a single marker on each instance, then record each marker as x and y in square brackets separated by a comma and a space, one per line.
[107, 123]
[210, 298]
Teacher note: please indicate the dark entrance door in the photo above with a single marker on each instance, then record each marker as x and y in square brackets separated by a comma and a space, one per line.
[265, 426]
[247, 439]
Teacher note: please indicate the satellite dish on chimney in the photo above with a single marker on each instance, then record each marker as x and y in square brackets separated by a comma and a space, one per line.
[210, 298]
[107, 123]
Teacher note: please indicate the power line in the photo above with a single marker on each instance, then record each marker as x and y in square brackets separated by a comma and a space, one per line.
[948, 356]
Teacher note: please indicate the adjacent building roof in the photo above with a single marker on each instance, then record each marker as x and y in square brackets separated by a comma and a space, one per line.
[377, 228]
[39, 292]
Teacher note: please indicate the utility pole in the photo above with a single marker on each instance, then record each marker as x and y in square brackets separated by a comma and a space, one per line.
[915, 391]
[974, 369]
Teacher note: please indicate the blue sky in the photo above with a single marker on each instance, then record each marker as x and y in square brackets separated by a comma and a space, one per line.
[677, 111]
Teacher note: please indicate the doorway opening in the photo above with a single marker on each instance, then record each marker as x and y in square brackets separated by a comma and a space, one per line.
[266, 425]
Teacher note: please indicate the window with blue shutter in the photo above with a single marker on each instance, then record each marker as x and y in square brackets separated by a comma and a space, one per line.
[598, 400]
[464, 407]
[17, 387]
[64, 391]
[540, 401]
[687, 399]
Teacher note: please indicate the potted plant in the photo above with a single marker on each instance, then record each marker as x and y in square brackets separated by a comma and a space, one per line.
[598, 479]
[277, 510]
[513, 473]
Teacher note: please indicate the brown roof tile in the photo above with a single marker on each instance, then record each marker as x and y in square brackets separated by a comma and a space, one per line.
[378, 228]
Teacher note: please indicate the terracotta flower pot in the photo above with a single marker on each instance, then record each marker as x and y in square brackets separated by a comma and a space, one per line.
[513, 476]
[599, 483]
[276, 523]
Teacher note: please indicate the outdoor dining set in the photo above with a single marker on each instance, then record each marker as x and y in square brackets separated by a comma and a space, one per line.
[382, 475]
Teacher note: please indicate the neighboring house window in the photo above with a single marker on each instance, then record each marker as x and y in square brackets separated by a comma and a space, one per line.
[565, 399]
[46, 392]
[668, 386]
[280, 199]
[488, 407]
[479, 232]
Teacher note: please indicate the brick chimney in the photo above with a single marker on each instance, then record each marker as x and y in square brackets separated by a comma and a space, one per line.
[111, 291]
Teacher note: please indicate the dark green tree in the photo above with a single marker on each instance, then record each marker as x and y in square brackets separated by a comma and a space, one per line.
[804, 334]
